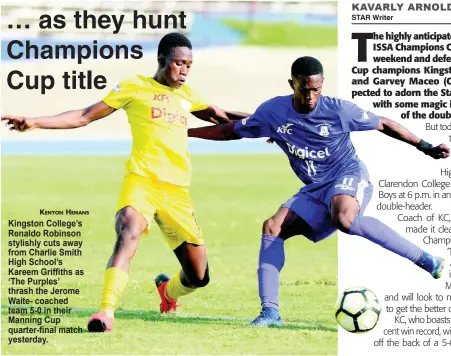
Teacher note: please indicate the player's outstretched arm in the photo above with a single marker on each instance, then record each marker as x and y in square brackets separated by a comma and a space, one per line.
[399, 132]
[66, 120]
[223, 132]
[236, 115]
[217, 115]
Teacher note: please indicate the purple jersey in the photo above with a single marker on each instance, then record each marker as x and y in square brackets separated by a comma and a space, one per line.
[317, 144]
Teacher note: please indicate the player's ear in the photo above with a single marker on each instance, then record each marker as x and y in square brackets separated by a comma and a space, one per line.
[162, 61]
[290, 81]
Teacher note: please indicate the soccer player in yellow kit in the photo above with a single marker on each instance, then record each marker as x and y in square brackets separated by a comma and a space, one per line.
[158, 173]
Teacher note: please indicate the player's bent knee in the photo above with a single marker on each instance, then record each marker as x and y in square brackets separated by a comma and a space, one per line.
[343, 221]
[203, 282]
[129, 225]
[198, 281]
[271, 227]
[130, 219]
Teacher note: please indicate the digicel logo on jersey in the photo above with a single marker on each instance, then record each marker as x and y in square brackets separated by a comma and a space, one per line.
[157, 113]
[305, 153]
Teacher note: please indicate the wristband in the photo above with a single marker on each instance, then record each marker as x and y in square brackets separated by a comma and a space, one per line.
[424, 146]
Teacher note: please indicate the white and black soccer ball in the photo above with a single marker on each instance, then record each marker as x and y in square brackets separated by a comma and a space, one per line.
[357, 310]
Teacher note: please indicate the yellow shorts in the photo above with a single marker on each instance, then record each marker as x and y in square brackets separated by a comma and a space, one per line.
[170, 205]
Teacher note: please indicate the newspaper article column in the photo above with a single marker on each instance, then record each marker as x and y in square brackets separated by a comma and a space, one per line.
[395, 61]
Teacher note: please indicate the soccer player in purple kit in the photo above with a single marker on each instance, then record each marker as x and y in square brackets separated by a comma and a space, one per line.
[313, 130]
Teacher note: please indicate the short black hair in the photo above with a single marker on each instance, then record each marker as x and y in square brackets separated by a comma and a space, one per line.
[170, 41]
[306, 66]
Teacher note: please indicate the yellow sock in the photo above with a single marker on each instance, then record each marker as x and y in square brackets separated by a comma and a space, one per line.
[175, 288]
[115, 281]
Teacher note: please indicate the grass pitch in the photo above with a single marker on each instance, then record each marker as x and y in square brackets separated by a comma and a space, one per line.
[232, 195]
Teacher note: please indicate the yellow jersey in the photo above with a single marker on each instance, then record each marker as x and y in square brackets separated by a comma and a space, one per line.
[158, 117]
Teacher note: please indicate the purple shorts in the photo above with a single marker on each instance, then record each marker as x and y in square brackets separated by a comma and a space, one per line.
[312, 202]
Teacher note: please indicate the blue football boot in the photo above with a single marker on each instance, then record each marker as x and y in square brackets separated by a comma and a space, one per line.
[268, 317]
[433, 264]
[439, 265]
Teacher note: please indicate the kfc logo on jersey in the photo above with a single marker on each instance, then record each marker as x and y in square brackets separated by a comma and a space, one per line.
[323, 130]
[162, 97]
[285, 129]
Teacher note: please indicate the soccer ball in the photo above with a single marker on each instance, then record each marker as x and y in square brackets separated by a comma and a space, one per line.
[357, 310]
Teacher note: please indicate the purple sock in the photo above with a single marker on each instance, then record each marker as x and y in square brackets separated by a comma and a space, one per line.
[379, 233]
[270, 263]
